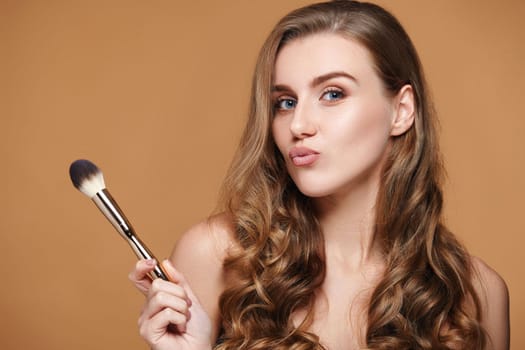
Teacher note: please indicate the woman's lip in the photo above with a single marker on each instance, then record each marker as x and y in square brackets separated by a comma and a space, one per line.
[303, 156]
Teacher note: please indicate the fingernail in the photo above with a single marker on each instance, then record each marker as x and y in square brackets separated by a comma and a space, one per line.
[151, 262]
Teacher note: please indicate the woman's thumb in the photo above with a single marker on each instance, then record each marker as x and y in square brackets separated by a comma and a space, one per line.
[177, 277]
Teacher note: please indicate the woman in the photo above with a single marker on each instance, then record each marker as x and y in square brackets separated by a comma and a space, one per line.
[332, 233]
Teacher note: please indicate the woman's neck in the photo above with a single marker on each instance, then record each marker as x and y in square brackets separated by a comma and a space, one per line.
[347, 221]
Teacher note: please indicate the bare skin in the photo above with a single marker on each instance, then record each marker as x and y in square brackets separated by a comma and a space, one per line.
[333, 103]
[196, 255]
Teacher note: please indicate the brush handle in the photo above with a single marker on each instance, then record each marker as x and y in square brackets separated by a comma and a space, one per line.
[109, 207]
[142, 251]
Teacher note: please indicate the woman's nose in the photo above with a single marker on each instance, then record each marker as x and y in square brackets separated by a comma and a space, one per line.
[302, 124]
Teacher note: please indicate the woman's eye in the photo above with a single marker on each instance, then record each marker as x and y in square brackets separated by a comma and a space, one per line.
[285, 104]
[332, 95]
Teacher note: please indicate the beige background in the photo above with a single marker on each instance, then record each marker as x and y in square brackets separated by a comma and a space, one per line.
[155, 93]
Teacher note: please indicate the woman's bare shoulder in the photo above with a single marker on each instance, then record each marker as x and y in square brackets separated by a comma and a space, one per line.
[209, 239]
[199, 255]
[489, 277]
[494, 297]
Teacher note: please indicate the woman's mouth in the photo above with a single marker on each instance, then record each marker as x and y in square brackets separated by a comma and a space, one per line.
[303, 156]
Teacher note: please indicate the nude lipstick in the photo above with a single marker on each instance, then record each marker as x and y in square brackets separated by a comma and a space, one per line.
[303, 156]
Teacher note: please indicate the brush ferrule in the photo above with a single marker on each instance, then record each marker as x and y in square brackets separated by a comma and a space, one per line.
[112, 211]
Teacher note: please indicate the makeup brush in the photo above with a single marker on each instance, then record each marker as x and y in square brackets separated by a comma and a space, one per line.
[88, 179]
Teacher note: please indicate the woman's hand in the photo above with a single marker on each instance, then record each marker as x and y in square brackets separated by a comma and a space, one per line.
[139, 276]
[172, 317]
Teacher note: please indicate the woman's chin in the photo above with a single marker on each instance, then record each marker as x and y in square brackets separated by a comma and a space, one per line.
[313, 190]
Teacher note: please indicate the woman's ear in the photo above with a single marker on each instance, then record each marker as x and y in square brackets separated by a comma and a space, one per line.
[404, 111]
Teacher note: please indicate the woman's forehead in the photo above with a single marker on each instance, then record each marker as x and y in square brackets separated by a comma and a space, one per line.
[306, 58]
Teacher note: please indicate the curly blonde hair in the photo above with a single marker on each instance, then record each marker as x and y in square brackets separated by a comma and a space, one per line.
[425, 299]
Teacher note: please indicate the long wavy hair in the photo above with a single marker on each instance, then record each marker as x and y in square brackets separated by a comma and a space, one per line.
[425, 299]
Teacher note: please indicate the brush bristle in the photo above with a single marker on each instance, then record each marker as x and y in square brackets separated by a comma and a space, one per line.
[86, 177]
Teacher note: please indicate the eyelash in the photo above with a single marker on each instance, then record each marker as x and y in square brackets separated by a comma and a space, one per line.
[278, 103]
[277, 106]
[340, 92]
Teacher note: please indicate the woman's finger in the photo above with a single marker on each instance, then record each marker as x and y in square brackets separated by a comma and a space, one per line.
[157, 326]
[167, 295]
[178, 278]
[140, 275]
[158, 285]
[162, 301]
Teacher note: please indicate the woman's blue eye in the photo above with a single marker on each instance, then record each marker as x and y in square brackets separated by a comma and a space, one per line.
[285, 104]
[332, 95]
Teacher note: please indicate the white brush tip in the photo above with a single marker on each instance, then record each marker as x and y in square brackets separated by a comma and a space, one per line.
[91, 186]
[86, 177]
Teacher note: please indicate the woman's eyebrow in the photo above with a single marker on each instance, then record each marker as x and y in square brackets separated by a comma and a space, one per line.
[281, 88]
[317, 81]
[322, 78]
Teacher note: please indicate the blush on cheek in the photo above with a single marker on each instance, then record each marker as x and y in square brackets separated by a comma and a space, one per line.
[368, 135]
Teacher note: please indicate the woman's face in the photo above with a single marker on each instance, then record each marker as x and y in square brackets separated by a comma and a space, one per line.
[333, 118]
